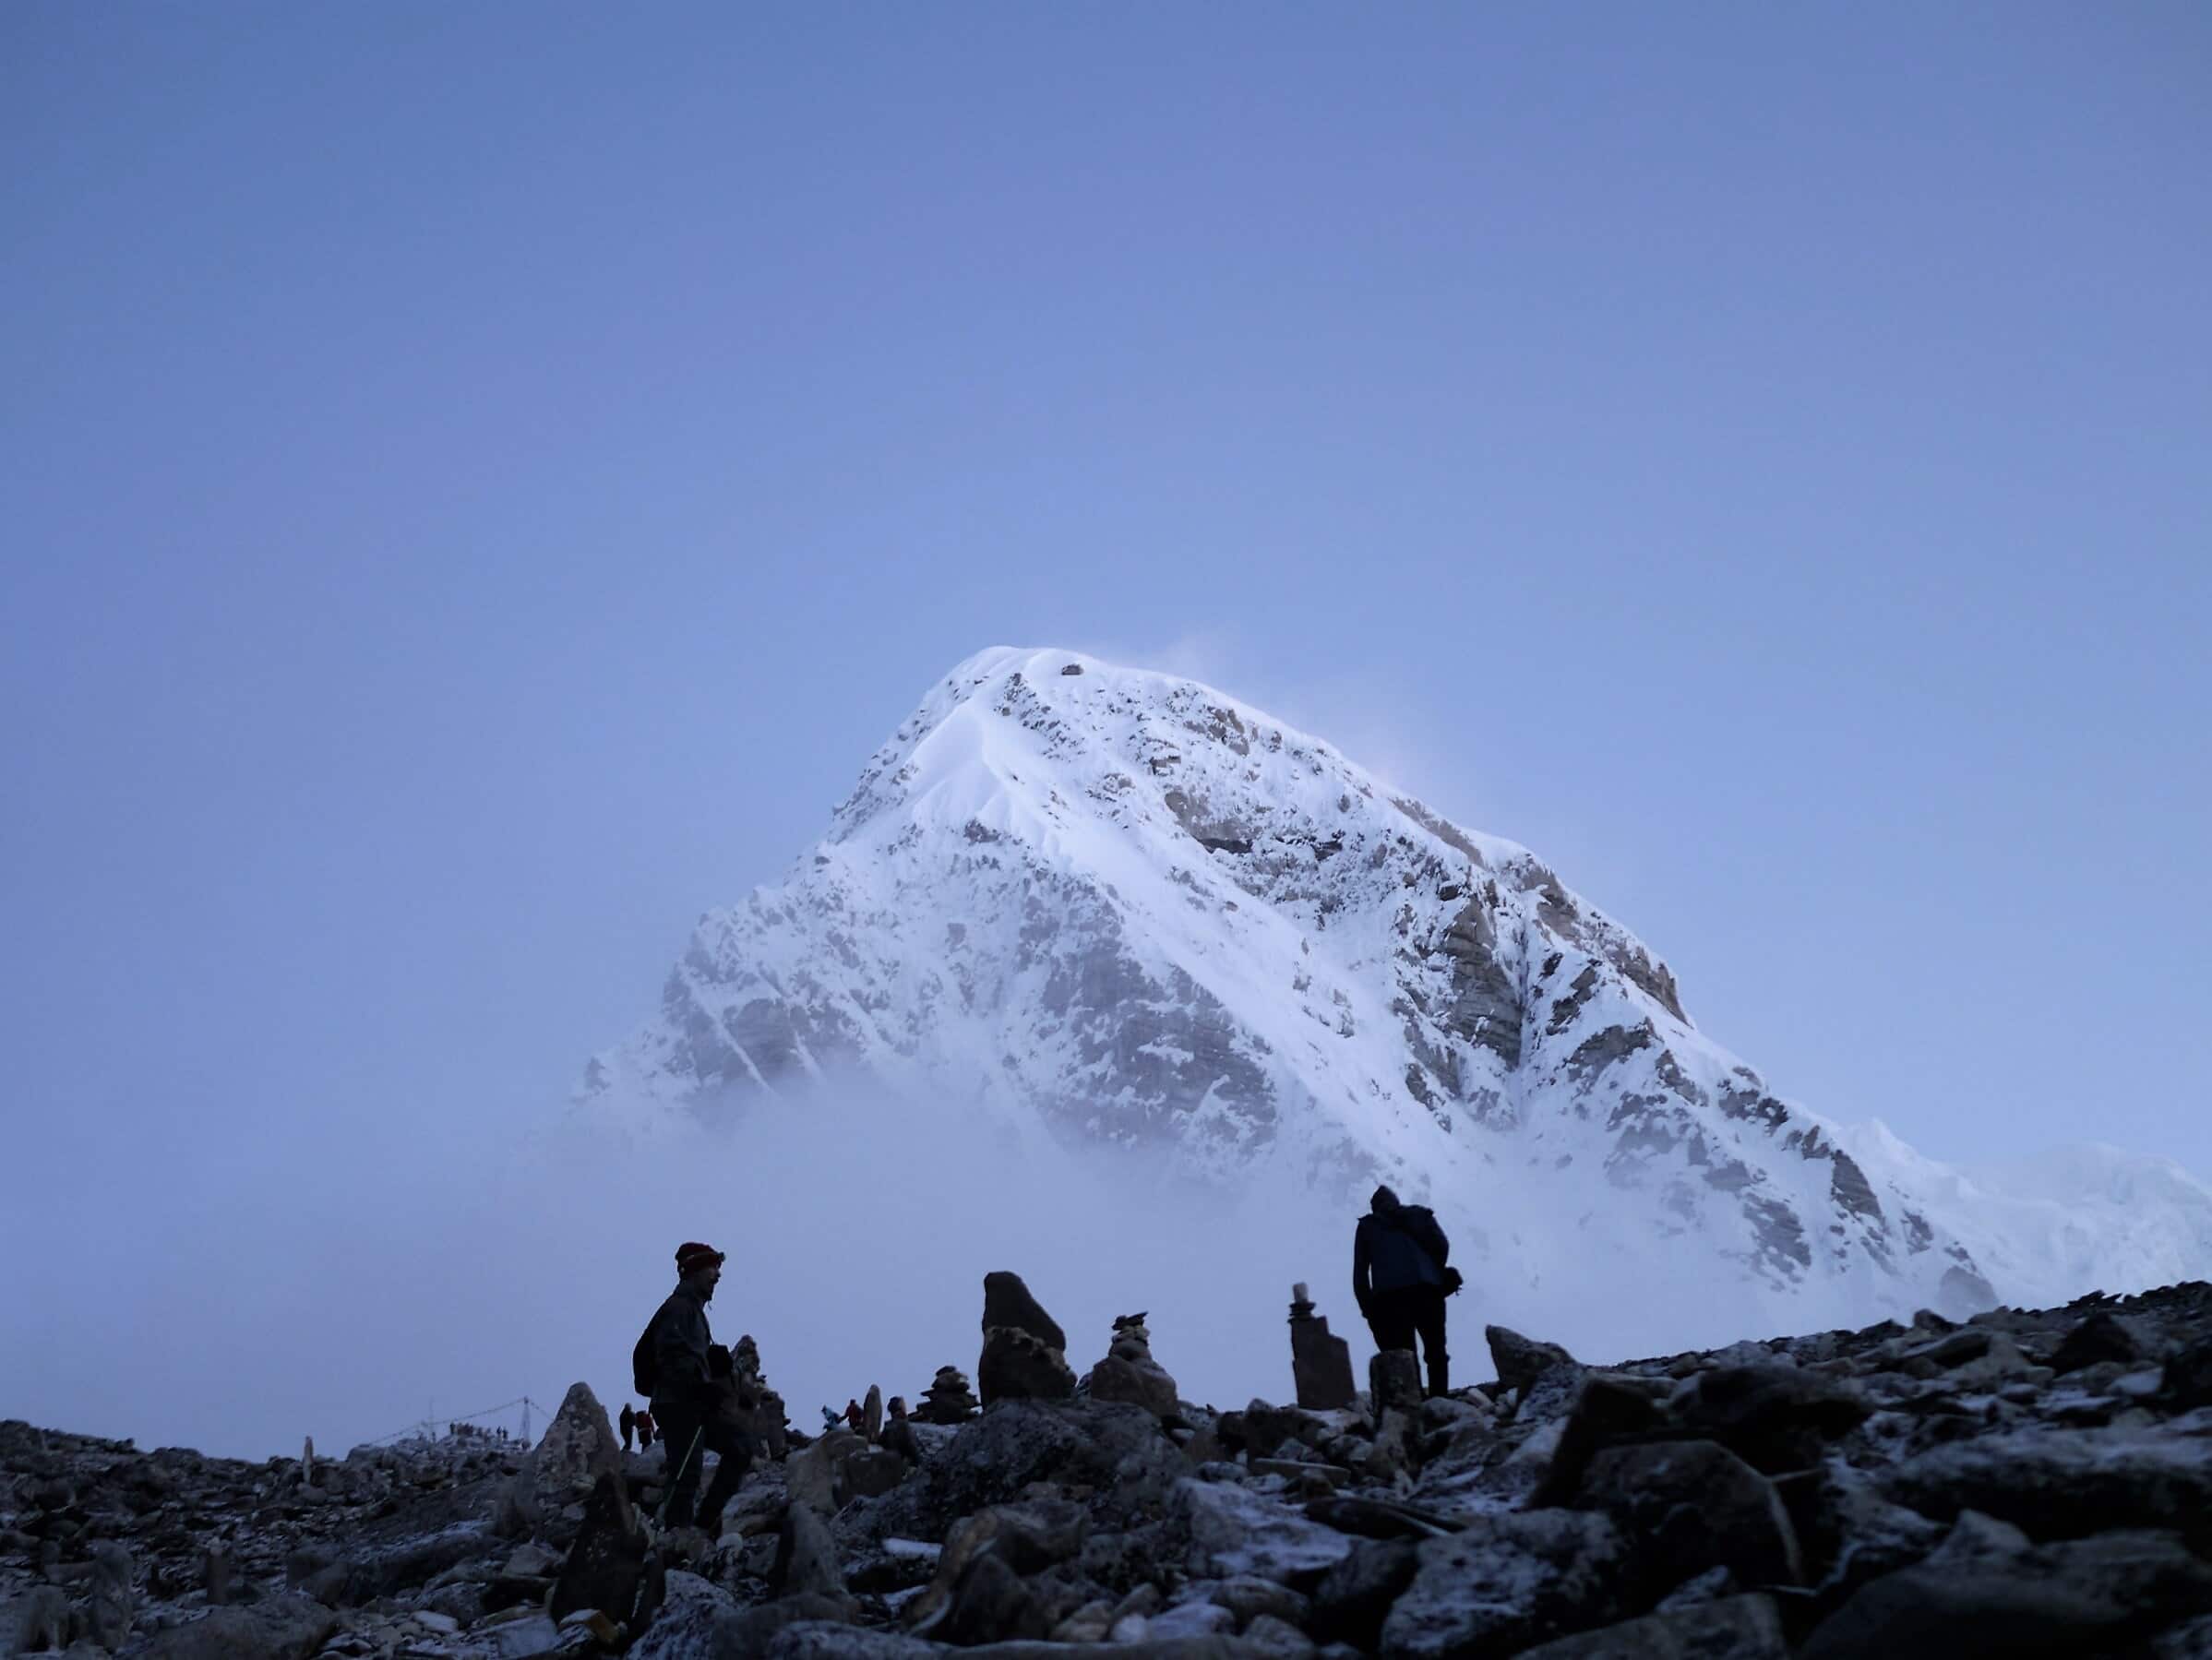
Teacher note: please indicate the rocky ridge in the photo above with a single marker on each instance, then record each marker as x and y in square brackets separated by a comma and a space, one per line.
[2026, 1482]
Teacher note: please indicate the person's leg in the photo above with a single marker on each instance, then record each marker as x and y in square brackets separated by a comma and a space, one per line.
[733, 1449]
[1430, 1316]
[683, 1444]
[1392, 1321]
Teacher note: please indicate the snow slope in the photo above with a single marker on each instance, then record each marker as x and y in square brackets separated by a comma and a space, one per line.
[1109, 909]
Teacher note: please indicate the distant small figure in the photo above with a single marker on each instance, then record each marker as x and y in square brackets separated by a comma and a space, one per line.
[647, 1430]
[630, 1426]
[855, 1418]
[1399, 1277]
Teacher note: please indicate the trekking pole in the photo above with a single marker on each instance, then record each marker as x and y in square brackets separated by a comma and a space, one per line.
[678, 1480]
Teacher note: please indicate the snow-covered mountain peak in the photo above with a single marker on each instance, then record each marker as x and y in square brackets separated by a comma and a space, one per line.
[1110, 908]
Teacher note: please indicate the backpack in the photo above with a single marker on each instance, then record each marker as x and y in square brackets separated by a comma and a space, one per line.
[644, 1365]
[1419, 1221]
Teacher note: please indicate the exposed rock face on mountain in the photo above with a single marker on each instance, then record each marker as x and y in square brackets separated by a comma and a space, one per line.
[2023, 1483]
[1117, 909]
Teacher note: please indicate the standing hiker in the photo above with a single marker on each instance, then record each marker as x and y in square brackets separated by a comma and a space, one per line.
[1399, 1277]
[674, 1365]
[629, 1425]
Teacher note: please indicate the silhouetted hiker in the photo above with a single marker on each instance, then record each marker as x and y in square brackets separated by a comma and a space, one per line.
[647, 1429]
[1399, 1277]
[629, 1425]
[674, 1365]
[855, 1417]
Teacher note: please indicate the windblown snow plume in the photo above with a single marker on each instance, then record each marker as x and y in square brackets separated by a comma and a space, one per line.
[1081, 909]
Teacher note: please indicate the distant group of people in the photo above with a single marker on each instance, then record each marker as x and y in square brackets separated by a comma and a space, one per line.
[1401, 1275]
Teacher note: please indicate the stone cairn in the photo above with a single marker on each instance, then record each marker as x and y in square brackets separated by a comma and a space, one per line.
[1025, 1351]
[1321, 1366]
[948, 1400]
[1129, 1373]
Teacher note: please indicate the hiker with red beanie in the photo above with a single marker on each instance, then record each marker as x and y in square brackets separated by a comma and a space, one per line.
[675, 1367]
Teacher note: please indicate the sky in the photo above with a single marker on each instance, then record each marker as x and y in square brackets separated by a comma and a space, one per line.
[479, 481]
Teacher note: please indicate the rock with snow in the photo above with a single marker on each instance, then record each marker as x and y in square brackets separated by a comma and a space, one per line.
[1736, 1627]
[1510, 1581]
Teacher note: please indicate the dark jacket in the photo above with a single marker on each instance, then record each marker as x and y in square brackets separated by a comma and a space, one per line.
[1395, 1247]
[680, 1339]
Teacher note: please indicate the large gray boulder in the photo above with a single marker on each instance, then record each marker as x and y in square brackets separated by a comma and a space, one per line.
[1735, 1628]
[1016, 1366]
[284, 1628]
[558, 1474]
[1522, 1360]
[605, 1569]
[108, 1602]
[1693, 1506]
[1007, 1302]
[1988, 1590]
[1777, 1419]
[1234, 1530]
[2057, 1484]
[1509, 1581]
[806, 1556]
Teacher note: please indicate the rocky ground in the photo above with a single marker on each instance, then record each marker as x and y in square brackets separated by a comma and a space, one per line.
[2027, 1482]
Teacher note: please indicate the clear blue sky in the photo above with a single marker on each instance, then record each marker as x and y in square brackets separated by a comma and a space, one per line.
[477, 481]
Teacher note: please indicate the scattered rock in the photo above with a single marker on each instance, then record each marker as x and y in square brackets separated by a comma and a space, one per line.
[1988, 1590]
[1736, 1627]
[805, 1561]
[1508, 1583]
[1777, 1419]
[2102, 1336]
[605, 1569]
[284, 1628]
[109, 1603]
[1693, 1506]
[1522, 1360]
[1353, 1597]
[2187, 1379]
[2065, 1483]
[1234, 1530]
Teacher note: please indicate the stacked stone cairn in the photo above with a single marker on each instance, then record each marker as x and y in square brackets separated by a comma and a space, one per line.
[1321, 1366]
[948, 1400]
[1129, 1373]
[2025, 1482]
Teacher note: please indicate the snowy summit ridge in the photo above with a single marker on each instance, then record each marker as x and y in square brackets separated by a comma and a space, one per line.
[1114, 907]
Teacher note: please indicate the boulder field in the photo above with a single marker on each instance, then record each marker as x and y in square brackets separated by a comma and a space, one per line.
[2026, 1482]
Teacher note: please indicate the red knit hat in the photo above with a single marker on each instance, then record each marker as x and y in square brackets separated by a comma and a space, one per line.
[693, 1255]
